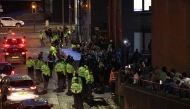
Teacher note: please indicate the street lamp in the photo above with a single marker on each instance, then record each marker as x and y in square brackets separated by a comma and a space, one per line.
[126, 51]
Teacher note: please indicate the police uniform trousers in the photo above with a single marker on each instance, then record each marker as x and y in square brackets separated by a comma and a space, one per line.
[89, 93]
[112, 87]
[46, 81]
[31, 72]
[61, 78]
[50, 65]
[69, 77]
[84, 89]
[78, 103]
[39, 75]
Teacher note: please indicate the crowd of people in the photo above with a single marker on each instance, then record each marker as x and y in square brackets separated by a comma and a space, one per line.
[97, 69]
[156, 78]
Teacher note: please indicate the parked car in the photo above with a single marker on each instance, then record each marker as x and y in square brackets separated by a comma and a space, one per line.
[6, 69]
[34, 104]
[9, 21]
[15, 88]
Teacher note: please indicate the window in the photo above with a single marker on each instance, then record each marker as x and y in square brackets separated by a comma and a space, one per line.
[19, 83]
[141, 41]
[137, 5]
[142, 5]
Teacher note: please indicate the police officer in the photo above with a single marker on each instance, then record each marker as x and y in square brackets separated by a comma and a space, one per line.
[69, 71]
[42, 39]
[76, 89]
[53, 50]
[46, 75]
[81, 73]
[39, 64]
[64, 63]
[9, 31]
[55, 39]
[61, 73]
[89, 82]
[30, 65]
[51, 60]
[67, 32]
[87, 71]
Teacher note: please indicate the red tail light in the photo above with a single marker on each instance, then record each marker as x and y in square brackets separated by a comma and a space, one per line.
[23, 40]
[21, 45]
[6, 53]
[33, 87]
[12, 72]
[11, 89]
[7, 45]
[23, 53]
[13, 33]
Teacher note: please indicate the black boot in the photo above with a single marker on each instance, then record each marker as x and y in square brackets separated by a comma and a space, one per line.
[43, 92]
[69, 93]
[60, 90]
[55, 90]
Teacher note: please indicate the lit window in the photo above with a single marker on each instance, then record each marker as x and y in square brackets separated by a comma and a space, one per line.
[138, 5]
[147, 4]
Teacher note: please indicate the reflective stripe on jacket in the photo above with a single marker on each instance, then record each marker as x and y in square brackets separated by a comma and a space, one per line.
[76, 88]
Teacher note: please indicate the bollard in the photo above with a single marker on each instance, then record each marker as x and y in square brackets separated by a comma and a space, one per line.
[47, 23]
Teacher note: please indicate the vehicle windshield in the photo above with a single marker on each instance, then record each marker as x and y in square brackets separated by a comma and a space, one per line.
[14, 41]
[20, 83]
[37, 107]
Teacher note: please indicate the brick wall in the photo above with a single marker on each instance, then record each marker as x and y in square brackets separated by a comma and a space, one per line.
[170, 36]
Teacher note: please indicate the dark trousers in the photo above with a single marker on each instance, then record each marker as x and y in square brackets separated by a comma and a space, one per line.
[64, 82]
[96, 81]
[78, 104]
[112, 87]
[89, 93]
[31, 72]
[39, 75]
[69, 77]
[46, 81]
[84, 89]
[65, 41]
[60, 80]
[50, 65]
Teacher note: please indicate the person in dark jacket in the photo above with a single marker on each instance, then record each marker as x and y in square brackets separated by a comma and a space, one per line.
[51, 61]
[95, 70]
[136, 56]
[164, 69]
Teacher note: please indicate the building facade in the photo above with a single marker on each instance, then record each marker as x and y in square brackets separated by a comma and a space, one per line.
[130, 20]
[171, 35]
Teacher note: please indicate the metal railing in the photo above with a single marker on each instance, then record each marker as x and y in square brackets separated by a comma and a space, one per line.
[157, 86]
